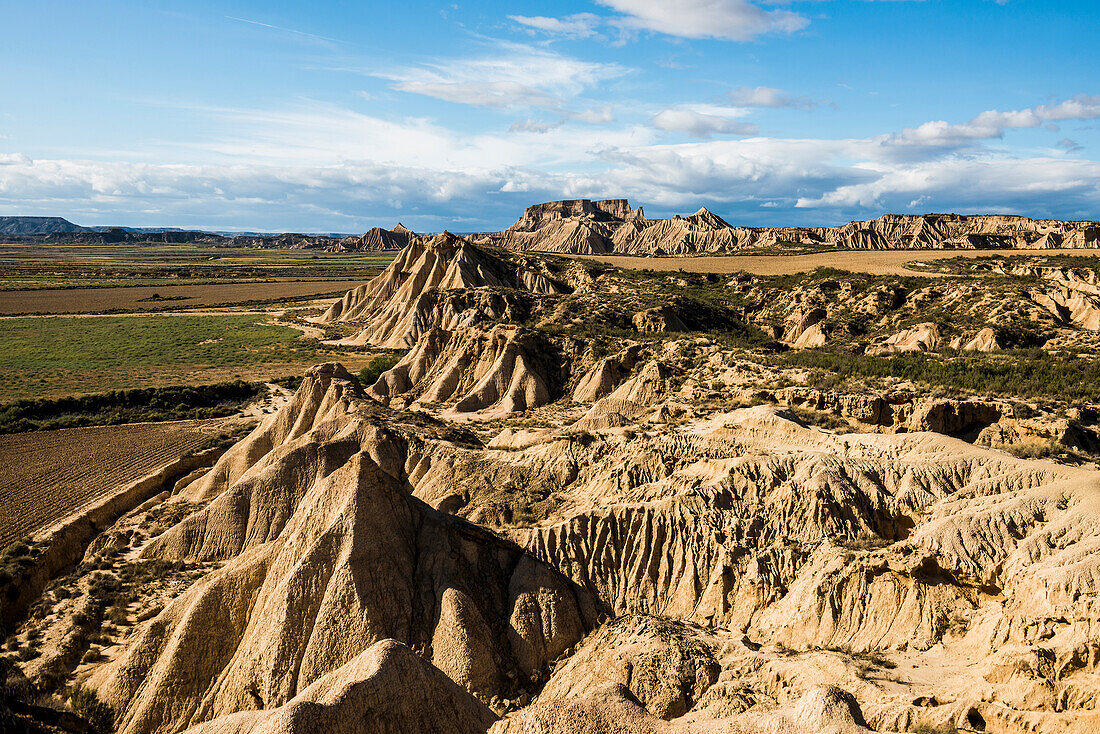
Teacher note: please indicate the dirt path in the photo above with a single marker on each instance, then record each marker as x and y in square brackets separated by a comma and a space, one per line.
[874, 262]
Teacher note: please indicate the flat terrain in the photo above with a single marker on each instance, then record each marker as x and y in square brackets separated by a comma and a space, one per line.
[44, 255]
[70, 468]
[55, 356]
[874, 262]
[137, 298]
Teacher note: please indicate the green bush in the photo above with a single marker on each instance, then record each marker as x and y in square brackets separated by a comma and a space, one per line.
[128, 406]
[1035, 449]
[370, 374]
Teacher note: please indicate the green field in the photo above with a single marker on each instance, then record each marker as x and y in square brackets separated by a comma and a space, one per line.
[59, 356]
[44, 265]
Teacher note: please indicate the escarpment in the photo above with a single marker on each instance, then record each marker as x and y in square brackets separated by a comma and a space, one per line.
[498, 371]
[585, 227]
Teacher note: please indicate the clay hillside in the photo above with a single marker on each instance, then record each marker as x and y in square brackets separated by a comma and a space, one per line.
[581, 226]
[569, 499]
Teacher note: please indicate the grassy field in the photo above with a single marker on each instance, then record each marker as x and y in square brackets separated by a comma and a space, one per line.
[160, 297]
[45, 266]
[70, 468]
[47, 357]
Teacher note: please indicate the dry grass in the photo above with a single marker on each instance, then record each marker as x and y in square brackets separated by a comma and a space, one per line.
[875, 262]
[47, 475]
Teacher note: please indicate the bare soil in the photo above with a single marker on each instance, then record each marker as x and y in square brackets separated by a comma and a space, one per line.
[48, 475]
[875, 262]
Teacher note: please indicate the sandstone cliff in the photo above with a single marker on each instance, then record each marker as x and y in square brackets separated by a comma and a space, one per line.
[581, 226]
[325, 554]
[415, 292]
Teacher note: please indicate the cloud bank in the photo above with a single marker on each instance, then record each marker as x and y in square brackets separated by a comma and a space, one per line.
[349, 170]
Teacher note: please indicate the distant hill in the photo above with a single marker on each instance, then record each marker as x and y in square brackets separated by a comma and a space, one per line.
[38, 225]
[583, 226]
[55, 230]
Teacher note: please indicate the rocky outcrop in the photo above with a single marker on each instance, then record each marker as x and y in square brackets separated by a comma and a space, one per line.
[684, 529]
[658, 319]
[611, 709]
[803, 328]
[581, 226]
[326, 553]
[920, 338]
[377, 239]
[984, 341]
[414, 292]
[387, 689]
[631, 399]
[491, 372]
[605, 375]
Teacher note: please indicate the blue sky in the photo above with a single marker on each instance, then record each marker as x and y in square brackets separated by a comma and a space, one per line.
[337, 116]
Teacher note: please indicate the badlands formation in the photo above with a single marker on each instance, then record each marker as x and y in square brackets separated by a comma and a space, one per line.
[590, 500]
[581, 226]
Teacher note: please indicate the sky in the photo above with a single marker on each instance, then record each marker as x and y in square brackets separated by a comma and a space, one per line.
[336, 116]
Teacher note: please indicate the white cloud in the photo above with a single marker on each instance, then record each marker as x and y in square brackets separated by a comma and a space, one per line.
[993, 123]
[593, 114]
[578, 25]
[335, 169]
[734, 20]
[533, 126]
[703, 121]
[515, 76]
[14, 159]
[769, 97]
[1028, 185]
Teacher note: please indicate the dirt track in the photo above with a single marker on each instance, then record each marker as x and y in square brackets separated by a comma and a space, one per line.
[875, 262]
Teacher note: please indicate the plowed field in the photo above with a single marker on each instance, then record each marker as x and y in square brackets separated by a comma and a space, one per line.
[47, 475]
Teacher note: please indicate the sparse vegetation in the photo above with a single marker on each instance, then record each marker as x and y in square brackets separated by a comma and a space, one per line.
[945, 728]
[1020, 373]
[1036, 449]
[87, 704]
[129, 406]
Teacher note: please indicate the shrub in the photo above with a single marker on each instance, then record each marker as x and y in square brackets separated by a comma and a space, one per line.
[370, 374]
[87, 704]
[946, 728]
[128, 406]
[1035, 449]
[1021, 372]
[290, 382]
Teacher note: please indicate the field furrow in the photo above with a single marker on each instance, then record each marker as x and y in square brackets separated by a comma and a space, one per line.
[47, 475]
